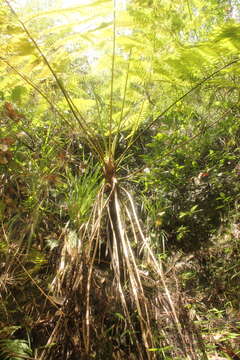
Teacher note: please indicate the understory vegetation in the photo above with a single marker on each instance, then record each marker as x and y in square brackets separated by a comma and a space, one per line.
[120, 179]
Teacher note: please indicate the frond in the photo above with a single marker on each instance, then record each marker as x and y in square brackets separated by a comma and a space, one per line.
[11, 349]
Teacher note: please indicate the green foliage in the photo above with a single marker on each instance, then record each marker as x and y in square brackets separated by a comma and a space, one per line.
[190, 166]
[11, 349]
[81, 192]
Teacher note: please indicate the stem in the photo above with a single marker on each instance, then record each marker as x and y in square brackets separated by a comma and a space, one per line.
[112, 78]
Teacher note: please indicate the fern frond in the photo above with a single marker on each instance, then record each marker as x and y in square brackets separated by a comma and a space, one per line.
[11, 349]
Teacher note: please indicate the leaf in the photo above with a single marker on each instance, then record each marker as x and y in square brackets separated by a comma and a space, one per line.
[182, 214]
[120, 316]
[13, 29]
[11, 112]
[14, 349]
[193, 208]
[18, 92]
[8, 140]
[5, 157]
[165, 348]
[9, 330]
[24, 47]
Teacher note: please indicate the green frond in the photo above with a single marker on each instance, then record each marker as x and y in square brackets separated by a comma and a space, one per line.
[11, 349]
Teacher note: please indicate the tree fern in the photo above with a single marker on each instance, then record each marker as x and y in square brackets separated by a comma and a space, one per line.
[101, 260]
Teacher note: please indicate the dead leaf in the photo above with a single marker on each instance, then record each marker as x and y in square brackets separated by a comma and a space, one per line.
[12, 113]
